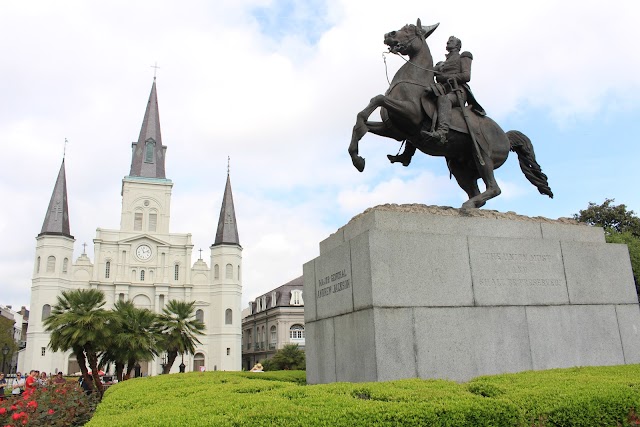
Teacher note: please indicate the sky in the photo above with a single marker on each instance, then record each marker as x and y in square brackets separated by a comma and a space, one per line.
[275, 85]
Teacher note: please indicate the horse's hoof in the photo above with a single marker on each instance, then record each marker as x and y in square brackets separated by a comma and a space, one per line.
[468, 205]
[358, 162]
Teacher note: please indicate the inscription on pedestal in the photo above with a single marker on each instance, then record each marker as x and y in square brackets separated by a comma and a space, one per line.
[513, 271]
[333, 283]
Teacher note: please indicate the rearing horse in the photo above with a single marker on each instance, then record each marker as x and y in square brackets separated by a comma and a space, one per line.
[406, 109]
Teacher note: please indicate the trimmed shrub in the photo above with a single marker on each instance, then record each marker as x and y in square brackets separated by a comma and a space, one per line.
[601, 396]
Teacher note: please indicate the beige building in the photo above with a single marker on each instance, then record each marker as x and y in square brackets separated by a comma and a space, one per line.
[272, 321]
[142, 261]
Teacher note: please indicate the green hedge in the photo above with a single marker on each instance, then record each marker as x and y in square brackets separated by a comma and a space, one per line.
[596, 396]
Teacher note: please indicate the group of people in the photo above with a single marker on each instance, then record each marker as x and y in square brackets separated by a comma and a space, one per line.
[20, 384]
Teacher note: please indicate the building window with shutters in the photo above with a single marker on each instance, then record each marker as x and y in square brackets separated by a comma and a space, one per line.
[137, 221]
[153, 221]
[43, 351]
[150, 144]
[216, 271]
[107, 269]
[51, 264]
[38, 265]
[142, 275]
[46, 311]
[296, 297]
[229, 272]
[228, 317]
[200, 316]
[65, 265]
[176, 272]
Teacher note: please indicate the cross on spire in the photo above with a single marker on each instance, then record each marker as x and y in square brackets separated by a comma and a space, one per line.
[155, 69]
[84, 249]
[228, 164]
[64, 152]
[200, 254]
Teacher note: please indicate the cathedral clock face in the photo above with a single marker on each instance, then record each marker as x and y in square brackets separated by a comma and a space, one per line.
[143, 252]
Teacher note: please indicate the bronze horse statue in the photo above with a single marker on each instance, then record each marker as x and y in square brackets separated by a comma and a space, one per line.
[406, 109]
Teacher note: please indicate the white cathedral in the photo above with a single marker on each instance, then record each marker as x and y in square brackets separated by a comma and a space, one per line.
[142, 262]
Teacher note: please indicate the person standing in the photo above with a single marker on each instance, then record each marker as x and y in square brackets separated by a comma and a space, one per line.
[30, 382]
[3, 383]
[17, 386]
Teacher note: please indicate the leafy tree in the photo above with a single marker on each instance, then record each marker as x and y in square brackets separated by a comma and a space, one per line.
[134, 338]
[78, 322]
[179, 330]
[620, 226]
[290, 357]
[614, 218]
[6, 338]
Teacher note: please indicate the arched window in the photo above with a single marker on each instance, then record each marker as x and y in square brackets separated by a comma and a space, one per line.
[228, 317]
[198, 362]
[200, 315]
[51, 264]
[46, 311]
[229, 272]
[137, 221]
[161, 302]
[121, 297]
[142, 275]
[38, 265]
[150, 275]
[296, 332]
[176, 272]
[65, 265]
[238, 273]
[216, 271]
[273, 337]
[134, 275]
[107, 269]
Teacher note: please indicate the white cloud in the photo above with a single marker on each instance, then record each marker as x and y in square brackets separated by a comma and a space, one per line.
[282, 108]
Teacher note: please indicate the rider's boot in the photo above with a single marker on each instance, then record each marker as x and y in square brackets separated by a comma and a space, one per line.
[444, 117]
[405, 156]
[440, 135]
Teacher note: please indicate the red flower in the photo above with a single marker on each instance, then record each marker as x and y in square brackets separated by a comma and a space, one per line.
[33, 404]
[51, 412]
[16, 416]
[13, 407]
[3, 411]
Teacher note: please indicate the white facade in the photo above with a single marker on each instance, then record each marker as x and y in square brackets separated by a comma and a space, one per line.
[145, 263]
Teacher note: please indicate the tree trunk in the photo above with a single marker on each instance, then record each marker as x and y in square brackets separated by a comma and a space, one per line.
[131, 364]
[171, 357]
[83, 367]
[93, 364]
[119, 370]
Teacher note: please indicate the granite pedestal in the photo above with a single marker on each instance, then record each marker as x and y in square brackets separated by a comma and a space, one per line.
[426, 292]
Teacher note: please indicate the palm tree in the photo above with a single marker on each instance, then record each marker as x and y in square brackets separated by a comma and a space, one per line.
[179, 330]
[134, 338]
[79, 323]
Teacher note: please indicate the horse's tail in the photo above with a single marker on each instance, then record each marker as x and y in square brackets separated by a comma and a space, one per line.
[521, 145]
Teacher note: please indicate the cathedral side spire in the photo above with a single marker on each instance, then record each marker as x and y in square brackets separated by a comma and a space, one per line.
[148, 154]
[227, 233]
[56, 221]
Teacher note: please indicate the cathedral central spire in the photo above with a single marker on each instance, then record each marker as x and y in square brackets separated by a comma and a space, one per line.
[227, 232]
[148, 154]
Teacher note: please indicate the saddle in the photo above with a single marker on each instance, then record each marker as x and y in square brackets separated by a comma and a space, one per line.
[477, 121]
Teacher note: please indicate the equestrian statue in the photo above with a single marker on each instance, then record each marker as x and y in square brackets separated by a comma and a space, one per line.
[432, 109]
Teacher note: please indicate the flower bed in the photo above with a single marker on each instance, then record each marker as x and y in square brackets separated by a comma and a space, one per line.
[55, 405]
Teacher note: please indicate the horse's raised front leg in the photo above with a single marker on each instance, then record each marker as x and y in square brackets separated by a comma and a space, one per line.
[407, 109]
[360, 129]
